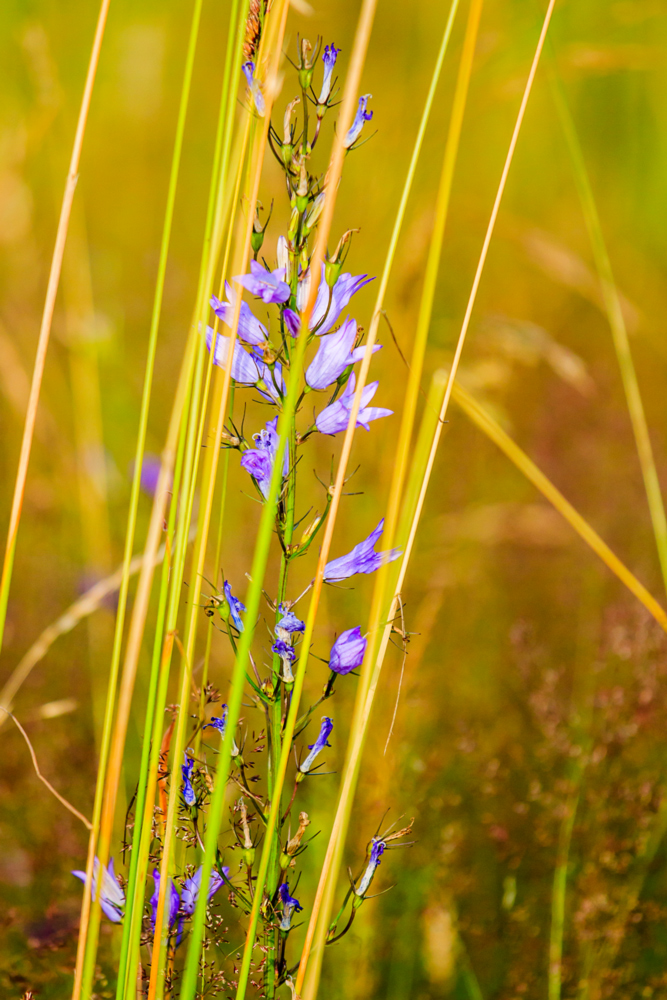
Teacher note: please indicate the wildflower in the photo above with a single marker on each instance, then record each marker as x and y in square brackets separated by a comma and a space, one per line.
[318, 746]
[218, 722]
[257, 95]
[287, 656]
[330, 301]
[329, 60]
[192, 886]
[250, 329]
[259, 461]
[377, 850]
[173, 901]
[362, 559]
[289, 623]
[235, 606]
[348, 651]
[290, 906]
[269, 286]
[247, 369]
[292, 321]
[188, 790]
[112, 897]
[362, 115]
[334, 355]
[334, 418]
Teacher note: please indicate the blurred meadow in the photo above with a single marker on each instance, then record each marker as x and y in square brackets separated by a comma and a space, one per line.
[530, 710]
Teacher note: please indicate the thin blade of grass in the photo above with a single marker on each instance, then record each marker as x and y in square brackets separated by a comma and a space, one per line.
[47, 318]
[614, 310]
[495, 432]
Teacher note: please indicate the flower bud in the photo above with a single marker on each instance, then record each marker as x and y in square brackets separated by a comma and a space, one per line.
[314, 212]
[306, 65]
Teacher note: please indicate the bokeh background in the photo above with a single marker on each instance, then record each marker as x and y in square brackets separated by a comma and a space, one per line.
[533, 695]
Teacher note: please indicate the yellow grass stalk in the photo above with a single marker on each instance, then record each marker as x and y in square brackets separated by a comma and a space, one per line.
[47, 317]
[494, 431]
[619, 333]
[381, 615]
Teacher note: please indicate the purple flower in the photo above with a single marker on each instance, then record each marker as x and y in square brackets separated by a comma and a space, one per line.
[361, 116]
[290, 623]
[292, 322]
[290, 905]
[348, 651]
[235, 606]
[246, 368]
[377, 850]
[334, 418]
[259, 461]
[329, 60]
[362, 559]
[330, 302]
[172, 904]
[112, 897]
[318, 746]
[257, 95]
[269, 286]
[250, 329]
[188, 790]
[334, 355]
[218, 722]
[192, 886]
[284, 650]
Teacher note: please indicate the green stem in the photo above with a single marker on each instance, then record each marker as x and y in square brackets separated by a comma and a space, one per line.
[558, 894]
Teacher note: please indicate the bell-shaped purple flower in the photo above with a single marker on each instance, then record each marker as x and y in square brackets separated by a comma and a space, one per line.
[269, 286]
[186, 770]
[329, 60]
[330, 302]
[318, 746]
[235, 606]
[292, 322]
[362, 115]
[334, 418]
[362, 559]
[377, 850]
[246, 368]
[250, 329]
[257, 95]
[173, 901]
[259, 461]
[112, 897]
[334, 355]
[192, 888]
[290, 906]
[284, 650]
[348, 651]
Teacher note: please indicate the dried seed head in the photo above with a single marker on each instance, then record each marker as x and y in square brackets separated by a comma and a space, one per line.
[294, 844]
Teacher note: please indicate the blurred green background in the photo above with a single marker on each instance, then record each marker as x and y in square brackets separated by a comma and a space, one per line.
[534, 690]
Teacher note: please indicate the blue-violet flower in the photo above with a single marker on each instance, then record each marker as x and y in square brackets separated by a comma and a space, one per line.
[362, 559]
[362, 115]
[290, 906]
[348, 651]
[250, 329]
[186, 770]
[334, 355]
[269, 286]
[112, 897]
[172, 904]
[235, 606]
[259, 461]
[318, 746]
[257, 95]
[330, 302]
[377, 850]
[329, 60]
[334, 418]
